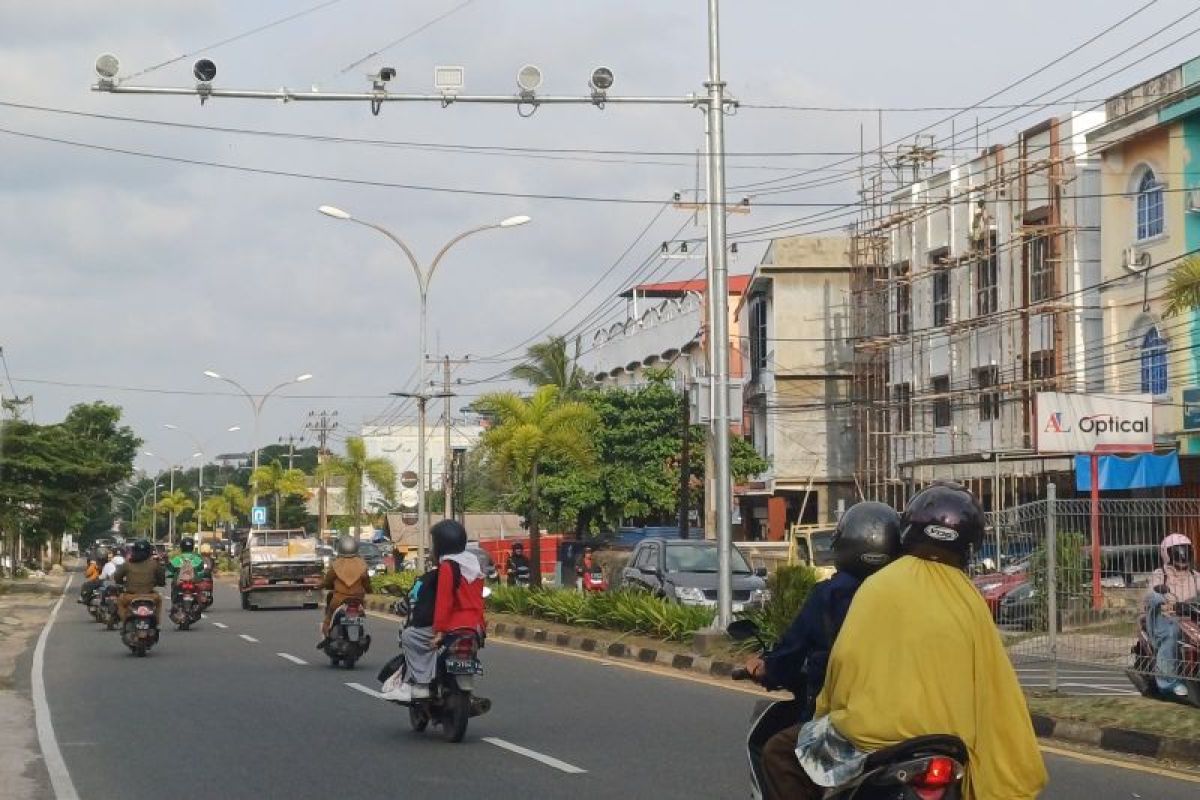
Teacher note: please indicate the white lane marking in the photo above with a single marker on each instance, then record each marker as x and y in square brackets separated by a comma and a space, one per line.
[220, 625]
[292, 658]
[60, 777]
[360, 688]
[248, 638]
[549, 761]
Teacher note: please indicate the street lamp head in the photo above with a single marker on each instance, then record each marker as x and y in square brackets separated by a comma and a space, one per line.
[209, 373]
[148, 453]
[233, 428]
[197, 454]
[302, 378]
[335, 212]
[107, 66]
[513, 222]
[170, 427]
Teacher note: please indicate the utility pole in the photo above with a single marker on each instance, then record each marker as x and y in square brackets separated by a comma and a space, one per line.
[291, 440]
[713, 102]
[685, 463]
[322, 423]
[448, 476]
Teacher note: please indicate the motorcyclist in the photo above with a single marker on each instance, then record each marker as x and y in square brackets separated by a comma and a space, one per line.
[96, 565]
[516, 561]
[138, 577]
[866, 540]
[187, 561]
[1177, 581]
[347, 578]
[206, 555]
[584, 565]
[919, 655]
[449, 598]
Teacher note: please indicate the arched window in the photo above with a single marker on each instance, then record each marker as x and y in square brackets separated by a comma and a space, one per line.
[1149, 206]
[1154, 363]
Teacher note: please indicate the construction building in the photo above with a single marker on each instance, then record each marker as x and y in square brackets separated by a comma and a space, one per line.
[974, 288]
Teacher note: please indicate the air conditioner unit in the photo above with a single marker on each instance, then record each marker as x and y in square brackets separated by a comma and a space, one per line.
[1191, 201]
[1134, 260]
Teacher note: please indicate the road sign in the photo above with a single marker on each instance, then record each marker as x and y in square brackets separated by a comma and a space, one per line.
[258, 515]
[409, 497]
[409, 517]
[409, 479]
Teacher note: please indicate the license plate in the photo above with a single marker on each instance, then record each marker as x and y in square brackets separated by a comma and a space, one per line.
[463, 666]
[187, 598]
[143, 625]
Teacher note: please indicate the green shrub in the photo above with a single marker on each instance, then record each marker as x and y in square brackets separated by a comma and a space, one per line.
[629, 612]
[789, 589]
[394, 583]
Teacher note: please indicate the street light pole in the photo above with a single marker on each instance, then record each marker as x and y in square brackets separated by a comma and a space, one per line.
[423, 280]
[257, 405]
[201, 448]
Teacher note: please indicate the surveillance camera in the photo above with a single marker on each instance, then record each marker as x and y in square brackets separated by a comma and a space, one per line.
[602, 79]
[204, 70]
[107, 66]
[529, 79]
[387, 73]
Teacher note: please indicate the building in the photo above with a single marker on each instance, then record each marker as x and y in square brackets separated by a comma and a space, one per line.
[1149, 154]
[398, 444]
[663, 327]
[795, 320]
[975, 288]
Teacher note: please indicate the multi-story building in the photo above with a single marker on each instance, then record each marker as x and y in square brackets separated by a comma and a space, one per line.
[1149, 153]
[398, 444]
[974, 289]
[795, 319]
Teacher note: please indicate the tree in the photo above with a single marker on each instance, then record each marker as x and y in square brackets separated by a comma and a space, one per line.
[359, 470]
[174, 503]
[276, 480]
[548, 364]
[527, 435]
[1183, 287]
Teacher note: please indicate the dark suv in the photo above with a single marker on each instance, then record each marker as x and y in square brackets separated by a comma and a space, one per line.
[371, 554]
[685, 571]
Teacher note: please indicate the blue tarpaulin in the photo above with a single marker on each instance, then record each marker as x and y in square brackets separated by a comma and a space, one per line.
[1145, 471]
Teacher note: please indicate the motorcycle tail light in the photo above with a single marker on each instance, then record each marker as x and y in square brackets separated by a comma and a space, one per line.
[144, 611]
[940, 774]
[463, 648]
[353, 611]
[187, 586]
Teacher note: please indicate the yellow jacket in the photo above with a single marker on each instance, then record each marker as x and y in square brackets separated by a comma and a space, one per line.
[919, 654]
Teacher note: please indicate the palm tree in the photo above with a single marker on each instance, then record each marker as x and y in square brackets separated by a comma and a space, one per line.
[528, 433]
[235, 496]
[548, 364]
[359, 470]
[217, 510]
[174, 503]
[274, 479]
[1183, 287]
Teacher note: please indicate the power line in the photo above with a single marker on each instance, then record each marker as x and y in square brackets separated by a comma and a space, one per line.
[405, 37]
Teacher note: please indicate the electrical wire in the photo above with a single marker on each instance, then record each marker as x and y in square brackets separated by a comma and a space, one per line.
[405, 37]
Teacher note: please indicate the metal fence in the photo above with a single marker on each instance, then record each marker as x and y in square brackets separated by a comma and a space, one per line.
[1068, 599]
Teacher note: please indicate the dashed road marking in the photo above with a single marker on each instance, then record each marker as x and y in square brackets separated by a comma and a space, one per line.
[549, 761]
[292, 658]
[220, 625]
[248, 638]
[358, 687]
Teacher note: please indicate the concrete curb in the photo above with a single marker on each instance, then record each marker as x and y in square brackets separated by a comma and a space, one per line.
[1115, 740]
[595, 645]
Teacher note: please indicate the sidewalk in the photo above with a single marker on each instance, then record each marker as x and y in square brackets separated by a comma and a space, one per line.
[24, 606]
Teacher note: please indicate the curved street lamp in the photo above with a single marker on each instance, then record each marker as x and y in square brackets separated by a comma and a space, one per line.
[201, 454]
[256, 404]
[424, 277]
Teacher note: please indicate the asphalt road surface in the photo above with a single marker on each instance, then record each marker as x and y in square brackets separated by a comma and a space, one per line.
[244, 706]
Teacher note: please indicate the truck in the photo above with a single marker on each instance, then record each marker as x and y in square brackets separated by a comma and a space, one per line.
[280, 568]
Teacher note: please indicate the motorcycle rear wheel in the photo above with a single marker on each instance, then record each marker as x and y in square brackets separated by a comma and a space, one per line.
[418, 719]
[454, 719]
[349, 661]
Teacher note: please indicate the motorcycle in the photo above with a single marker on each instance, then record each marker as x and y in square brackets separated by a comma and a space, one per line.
[186, 608]
[140, 631]
[108, 616]
[594, 580]
[923, 768]
[204, 592]
[1141, 673]
[94, 601]
[518, 576]
[452, 700]
[348, 637]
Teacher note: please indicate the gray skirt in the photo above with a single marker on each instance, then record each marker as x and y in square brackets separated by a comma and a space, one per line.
[420, 657]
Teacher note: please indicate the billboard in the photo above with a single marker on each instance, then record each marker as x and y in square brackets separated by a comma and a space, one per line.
[1093, 423]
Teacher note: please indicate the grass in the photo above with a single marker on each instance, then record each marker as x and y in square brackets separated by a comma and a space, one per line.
[1133, 713]
[633, 612]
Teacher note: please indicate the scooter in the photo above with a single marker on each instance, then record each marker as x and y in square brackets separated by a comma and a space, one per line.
[187, 608]
[1141, 673]
[518, 576]
[108, 605]
[452, 700]
[140, 631]
[204, 592]
[924, 768]
[348, 637]
[594, 580]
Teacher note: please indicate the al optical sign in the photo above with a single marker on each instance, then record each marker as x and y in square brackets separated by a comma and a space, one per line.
[1094, 423]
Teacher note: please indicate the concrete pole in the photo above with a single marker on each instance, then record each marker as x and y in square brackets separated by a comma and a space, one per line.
[447, 455]
[422, 400]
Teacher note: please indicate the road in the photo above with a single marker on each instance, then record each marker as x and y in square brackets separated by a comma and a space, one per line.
[227, 710]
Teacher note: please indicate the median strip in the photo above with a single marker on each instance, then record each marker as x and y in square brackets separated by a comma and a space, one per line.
[549, 761]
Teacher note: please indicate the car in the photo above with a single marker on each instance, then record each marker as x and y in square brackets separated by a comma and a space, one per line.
[685, 571]
[371, 554]
[327, 554]
[995, 586]
[1019, 607]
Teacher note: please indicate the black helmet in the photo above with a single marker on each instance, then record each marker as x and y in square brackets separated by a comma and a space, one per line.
[102, 555]
[140, 551]
[187, 544]
[347, 545]
[518, 547]
[867, 538]
[944, 522]
[448, 538]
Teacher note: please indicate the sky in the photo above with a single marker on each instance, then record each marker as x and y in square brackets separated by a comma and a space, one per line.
[126, 277]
